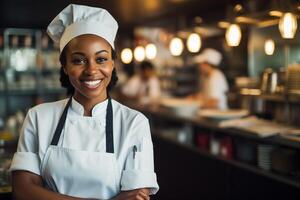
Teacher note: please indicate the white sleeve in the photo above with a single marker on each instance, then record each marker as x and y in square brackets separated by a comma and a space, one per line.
[139, 166]
[26, 158]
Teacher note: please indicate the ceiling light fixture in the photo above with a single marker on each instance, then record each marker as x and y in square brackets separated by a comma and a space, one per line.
[194, 42]
[151, 51]
[288, 25]
[139, 53]
[233, 35]
[176, 46]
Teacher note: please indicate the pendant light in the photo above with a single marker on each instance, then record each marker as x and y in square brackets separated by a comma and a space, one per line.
[194, 42]
[288, 25]
[176, 46]
[269, 47]
[233, 35]
[151, 51]
[126, 56]
[139, 53]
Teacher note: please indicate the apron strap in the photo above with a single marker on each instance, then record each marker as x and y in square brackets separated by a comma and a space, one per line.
[61, 124]
[109, 128]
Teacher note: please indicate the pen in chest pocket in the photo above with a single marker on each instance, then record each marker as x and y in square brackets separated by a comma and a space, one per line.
[134, 151]
[135, 161]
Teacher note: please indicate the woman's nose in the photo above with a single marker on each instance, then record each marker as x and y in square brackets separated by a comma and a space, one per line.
[91, 67]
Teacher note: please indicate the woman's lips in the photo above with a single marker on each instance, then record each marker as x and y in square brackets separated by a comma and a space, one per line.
[91, 84]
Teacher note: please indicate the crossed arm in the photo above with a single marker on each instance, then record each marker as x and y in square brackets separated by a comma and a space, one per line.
[29, 186]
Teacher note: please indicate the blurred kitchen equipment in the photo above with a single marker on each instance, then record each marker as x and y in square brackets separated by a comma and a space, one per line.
[215, 114]
[269, 81]
[202, 141]
[286, 161]
[245, 151]
[264, 152]
[226, 149]
[181, 106]
[293, 79]
[214, 145]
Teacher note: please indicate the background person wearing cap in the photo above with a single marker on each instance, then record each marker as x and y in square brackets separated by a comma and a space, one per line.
[87, 146]
[213, 83]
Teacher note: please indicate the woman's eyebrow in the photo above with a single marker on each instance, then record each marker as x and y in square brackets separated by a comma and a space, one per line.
[101, 51]
[80, 53]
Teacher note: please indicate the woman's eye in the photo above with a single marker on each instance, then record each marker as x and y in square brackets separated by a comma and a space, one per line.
[78, 61]
[101, 60]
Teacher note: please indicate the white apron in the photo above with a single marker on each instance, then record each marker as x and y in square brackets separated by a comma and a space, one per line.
[78, 173]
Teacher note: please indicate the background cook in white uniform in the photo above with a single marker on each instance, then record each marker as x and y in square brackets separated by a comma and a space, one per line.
[84, 168]
[213, 83]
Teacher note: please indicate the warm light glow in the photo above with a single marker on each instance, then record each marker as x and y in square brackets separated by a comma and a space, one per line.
[288, 25]
[126, 55]
[233, 35]
[151, 51]
[194, 43]
[176, 46]
[139, 53]
[269, 47]
[275, 13]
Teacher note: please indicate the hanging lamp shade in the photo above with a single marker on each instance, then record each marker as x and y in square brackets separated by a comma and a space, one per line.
[194, 42]
[269, 47]
[233, 35]
[126, 56]
[288, 25]
[151, 51]
[139, 53]
[176, 46]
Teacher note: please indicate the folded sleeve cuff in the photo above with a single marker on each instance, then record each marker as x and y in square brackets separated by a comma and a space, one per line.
[134, 179]
[27, 161]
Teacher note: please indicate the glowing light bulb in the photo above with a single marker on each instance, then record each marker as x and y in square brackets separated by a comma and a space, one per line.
[269, 47]
[126, 56]
[139, 53]
[194, 43]
[151, 51]
[233, 35]
[288, 25]
[176, 46]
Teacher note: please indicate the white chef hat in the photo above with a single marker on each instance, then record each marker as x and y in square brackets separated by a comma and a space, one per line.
[210, 56]
[75, 20]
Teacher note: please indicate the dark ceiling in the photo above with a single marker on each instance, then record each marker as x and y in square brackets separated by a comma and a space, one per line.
[38, 13]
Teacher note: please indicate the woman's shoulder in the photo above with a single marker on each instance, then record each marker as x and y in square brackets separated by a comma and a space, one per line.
[127, 112]
[49, 107]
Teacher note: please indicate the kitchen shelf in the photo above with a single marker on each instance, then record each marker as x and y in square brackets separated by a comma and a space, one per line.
[282, 98]
[292, 181]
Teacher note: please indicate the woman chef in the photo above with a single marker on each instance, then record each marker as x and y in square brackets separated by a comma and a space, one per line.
[88, 146]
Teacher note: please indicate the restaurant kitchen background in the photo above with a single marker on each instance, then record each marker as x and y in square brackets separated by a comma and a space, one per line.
[251, 150]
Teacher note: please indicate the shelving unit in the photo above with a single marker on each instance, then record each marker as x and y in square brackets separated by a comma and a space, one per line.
[38, 81]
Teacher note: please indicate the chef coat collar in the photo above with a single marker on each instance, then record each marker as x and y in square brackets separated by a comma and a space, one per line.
[98, 109]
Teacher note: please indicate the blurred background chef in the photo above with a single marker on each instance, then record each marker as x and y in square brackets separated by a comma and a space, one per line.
[143, 86]
[212, 82]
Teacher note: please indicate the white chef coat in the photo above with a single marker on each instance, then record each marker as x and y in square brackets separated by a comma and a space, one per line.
[215, 86]
[136, 86]
[130, 128]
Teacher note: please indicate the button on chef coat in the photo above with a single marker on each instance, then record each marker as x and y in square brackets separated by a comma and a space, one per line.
[130, 127]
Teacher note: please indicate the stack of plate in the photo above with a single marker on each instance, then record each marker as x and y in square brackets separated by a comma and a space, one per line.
[293, 79]
[264, 152]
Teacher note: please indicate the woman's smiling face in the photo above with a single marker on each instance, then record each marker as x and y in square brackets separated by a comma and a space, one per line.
[89, 65]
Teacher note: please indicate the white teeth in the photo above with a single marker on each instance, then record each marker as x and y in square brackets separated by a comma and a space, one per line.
[92, 83]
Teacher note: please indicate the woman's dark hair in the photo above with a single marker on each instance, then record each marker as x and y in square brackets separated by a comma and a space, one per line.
[64, 78]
